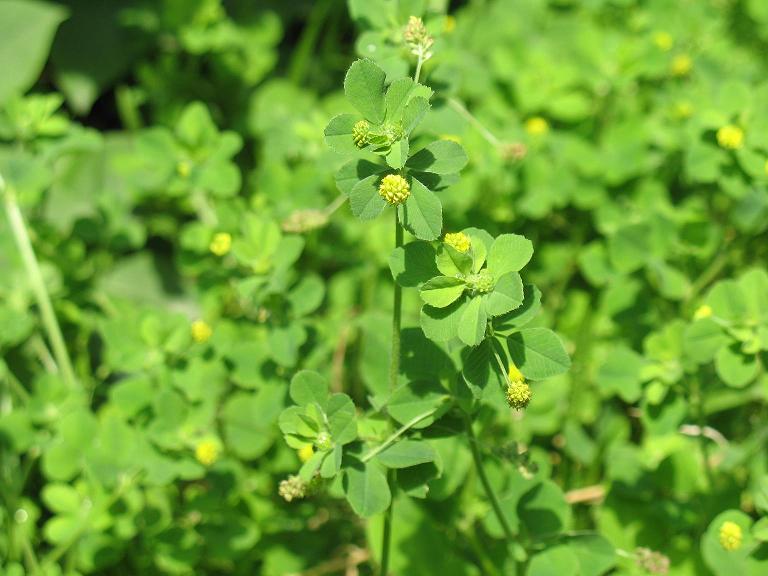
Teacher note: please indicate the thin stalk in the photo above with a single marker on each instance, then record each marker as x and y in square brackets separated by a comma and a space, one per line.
[32, 266]
[489, 492]
[698, 405]
[489, 136]
[419, 63]
[394, 372]
[402, 430]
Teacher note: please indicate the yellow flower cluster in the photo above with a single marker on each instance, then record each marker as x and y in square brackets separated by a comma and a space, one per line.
[518, 392]
[458, 241]
[730, 536]
[221, 244]
[201, 331]
[394, 189]
[360, 132]
[730, 137]
[207, 452]
[682, 64]
[663, 41]
[536, 126]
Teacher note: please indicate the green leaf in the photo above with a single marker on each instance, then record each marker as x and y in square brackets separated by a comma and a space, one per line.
[307, 386]
[735, 368]
[414, 399]
[538, 353]
[473, 322]
[27, 29]
[365, 200]
[441, 291]
[364, 88]
[557, 560]
[702, 339]
[248, 420]
[366, 488]
[338, 134]
[620, 373]
[422, 213]
[397, 97]
[398, 154]
[440, 157]
[595, 554]
[407, 453]
[481, 368]
[340, 411]
[507, 295]
[414, 113]
[452, 262]
[442, 324]
[509, 253]
[523, 314]
[61, 498]
[353, 172]
[413, 264]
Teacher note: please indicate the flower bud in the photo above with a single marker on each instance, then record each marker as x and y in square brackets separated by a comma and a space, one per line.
[394, 189]
[536, 126]
[458, 241]
[221, 243]
[482, 282]
[417, 38]
[207, 452]
[201, 331]
[518, 394]
[730, 137]
[323, 441]
[292, 488]
[360, 133]
[730, 536]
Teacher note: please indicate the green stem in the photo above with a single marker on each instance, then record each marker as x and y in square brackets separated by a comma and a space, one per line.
[51, 324]
[419, 63]
[394, 372]
[402, 430]
[489, 492]
[489, 136]
[697, 400]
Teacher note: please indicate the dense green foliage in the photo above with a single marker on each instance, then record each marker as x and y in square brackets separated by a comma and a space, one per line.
[200, 243]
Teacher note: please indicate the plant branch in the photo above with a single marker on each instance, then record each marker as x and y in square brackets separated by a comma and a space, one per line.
[32, 266]
[402, 430]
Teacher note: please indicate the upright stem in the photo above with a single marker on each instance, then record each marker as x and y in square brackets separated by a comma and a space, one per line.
[489, 492]
[698, 403]
[51, 324]
[394, 372]
[419, 63]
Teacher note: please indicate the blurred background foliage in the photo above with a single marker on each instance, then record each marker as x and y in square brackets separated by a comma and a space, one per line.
[169, 159]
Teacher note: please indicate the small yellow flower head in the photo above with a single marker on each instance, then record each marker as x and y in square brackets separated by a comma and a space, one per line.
[730, 536]
[184, 168]
[682, 64]
[518, 394]
[458, 241]
[201, 331]
[360, 133]
[536, 126]
[221, 243]
[663, 41]
[207, 452]
[306, 452]
[683, 110]
[394, 189]
[323, 441]
[730, 137]
[514, 373]
[292, 488]
[703, 311]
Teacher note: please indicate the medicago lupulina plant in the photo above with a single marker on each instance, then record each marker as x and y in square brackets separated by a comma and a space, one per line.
[474, 313]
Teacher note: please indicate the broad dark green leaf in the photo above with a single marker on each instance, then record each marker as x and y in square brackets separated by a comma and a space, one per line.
[506, 296]
[441, 291]
[364, 88]
[422, 213]
[473, 322]
[366, 488]
[509, 253]
[407, 453]
[307, 387]
[338, 134]
[440, 157]
[354, 171]
[413, 264]
[365, 200]
[538, 353]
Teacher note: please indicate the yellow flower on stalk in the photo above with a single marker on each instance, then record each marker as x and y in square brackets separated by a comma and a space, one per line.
[518, 394]
[730, 536]
[458, 241]
[306, 452]
[536, 126]
[663, 41]
[682, 64]
[730, 137]
[201, 331]
[703, 311]
[207, 452]
[394, 189]
[221, 243]
[514, 373]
